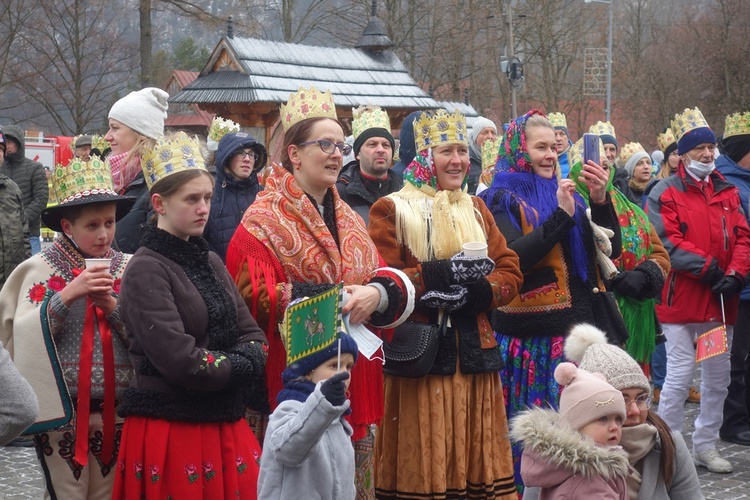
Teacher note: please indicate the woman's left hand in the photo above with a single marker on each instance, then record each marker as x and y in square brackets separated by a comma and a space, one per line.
[363, 300]
[596, 179]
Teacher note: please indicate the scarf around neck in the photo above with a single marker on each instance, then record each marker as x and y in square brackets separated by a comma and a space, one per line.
[123, 173]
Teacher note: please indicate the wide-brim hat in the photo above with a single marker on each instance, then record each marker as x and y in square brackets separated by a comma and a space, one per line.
[51, 216]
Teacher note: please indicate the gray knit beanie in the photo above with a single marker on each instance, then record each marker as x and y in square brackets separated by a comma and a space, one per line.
[586, 396]
[587, 345]
[635, 158]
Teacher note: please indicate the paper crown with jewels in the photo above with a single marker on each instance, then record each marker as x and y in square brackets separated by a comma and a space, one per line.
[439, 128]
[307, 103]
[665, 139]
[558, 120]
[575, 154]
[221, 127]
[367, 117]
[603, 128]
[490, 151]
[82, 183]
[629, 150]
[171, 155]
[737, 124]
[687, 121]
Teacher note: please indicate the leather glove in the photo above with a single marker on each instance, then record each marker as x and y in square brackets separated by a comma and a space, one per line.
[334, 389]
[713, 275]
[453, 299]
[728, 286]
[630, 284]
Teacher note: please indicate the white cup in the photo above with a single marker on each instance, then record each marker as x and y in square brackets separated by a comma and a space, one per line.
[475, 249]
[98, 262]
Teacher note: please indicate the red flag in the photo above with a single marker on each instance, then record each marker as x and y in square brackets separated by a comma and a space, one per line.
[712, 343]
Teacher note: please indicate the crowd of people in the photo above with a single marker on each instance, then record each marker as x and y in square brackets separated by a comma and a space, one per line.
[513, 307]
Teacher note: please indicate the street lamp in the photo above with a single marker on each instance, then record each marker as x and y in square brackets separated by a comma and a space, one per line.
[609, 52]
[514, 69]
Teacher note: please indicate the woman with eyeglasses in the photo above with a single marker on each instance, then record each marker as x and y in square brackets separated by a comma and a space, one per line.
[299, 239]
[661, 466]
[239, 160]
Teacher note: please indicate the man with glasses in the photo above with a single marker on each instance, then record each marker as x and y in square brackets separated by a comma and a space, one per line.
[240, 158]
[369, 176]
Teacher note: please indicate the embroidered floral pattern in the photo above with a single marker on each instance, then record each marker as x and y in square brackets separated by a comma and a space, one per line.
[138, 470]
[191, 471]
[208, 471]
[116, 286]
[153, 473]
[67, 452]
[209, 359]
[56, 283]
[241, 465]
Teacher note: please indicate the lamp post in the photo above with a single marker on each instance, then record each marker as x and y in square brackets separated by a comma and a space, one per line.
[609, 52]
[514, 69]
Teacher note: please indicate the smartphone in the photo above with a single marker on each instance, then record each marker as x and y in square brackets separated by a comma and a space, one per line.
[591, 148]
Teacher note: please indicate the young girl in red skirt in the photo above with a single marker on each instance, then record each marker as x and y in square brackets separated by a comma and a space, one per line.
[196, 350]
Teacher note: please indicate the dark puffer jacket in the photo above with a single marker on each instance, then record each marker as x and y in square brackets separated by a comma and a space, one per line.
[30, 177]
[130, 228]
[14, 232]
[231, 196]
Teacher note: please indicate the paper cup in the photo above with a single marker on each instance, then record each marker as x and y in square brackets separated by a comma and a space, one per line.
[98, 262]
[475, 249]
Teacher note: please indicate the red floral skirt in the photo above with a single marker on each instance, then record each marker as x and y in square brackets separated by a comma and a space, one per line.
[159, 459]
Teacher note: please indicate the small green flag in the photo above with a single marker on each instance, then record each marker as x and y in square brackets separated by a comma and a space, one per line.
[312, 324]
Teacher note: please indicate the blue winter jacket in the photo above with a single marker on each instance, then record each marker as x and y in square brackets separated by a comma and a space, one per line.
[740, 177]
[231, 196]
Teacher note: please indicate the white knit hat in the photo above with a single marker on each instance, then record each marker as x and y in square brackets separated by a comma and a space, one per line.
[586, 396]
[587, 346]
[143, 110]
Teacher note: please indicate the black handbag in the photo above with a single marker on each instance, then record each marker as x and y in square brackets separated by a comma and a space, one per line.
[413, 348]
[608, 317]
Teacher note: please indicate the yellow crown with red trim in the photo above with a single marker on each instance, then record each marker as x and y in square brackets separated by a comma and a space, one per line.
[575, 154]
[629, 150]
[307, 103]
[688, 120]
[439, 128]
[367, 117]
[81, 178]
[558, 120]
[171, 155]
[737, 124]
[665, 139]
[603, 128]
[221, 127]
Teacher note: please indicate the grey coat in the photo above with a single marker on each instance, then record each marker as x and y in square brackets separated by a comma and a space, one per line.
[18, 404]
[308, 452]
[685, 484]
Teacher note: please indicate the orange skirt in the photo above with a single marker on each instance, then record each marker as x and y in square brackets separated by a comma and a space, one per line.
[444, 437]
[161, 459]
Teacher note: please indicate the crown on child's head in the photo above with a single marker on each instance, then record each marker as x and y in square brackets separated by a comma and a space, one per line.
[307, 103]
[81, 178]
[171, 155]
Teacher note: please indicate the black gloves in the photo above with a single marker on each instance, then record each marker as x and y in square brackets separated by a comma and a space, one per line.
[630, 284]
[453, 299]
[728, 286]
[458, 270]
[334, 389]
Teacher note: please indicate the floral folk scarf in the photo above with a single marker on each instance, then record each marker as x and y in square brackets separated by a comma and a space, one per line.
[516, 184]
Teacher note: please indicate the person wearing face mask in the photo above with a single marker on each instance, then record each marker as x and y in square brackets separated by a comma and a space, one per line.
[698, 217]
[369, 176]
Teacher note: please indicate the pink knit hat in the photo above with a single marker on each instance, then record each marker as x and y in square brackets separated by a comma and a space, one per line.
[586, 396]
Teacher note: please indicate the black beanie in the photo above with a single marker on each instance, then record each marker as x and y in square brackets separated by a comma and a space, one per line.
[736, 147]
[373, 132]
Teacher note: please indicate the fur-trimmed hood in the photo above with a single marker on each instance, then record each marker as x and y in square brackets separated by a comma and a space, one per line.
[554, 453]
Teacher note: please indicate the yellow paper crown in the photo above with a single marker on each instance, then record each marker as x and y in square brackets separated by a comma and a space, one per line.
[305, 104]
[221, 127]
[629, 150]
[737, 124]
[80, 179]
[603, 128]
[490, 150]
[575, 154]
[558, 120]
[432, 130]
[171, 155]
[688, 120]
[367, 117]
[665, 139]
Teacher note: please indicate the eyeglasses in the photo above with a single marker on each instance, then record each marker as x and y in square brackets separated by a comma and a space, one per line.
[642, 402]
[329, 147]
[244, 154]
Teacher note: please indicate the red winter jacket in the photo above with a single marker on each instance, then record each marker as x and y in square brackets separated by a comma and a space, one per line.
[704, 235]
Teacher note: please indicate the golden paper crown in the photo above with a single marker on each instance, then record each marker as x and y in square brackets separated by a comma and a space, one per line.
[490, 150]
[603, 128]
[629, 150]
[432, 130]
[367, 117]
[305, 104]
[171, 155]
[221, 127]
[688, 120]
[737, 124]
[575, 154]
[558, 120]
[81, 179]
[665, 139]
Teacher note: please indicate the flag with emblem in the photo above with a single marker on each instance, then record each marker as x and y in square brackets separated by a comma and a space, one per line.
[312, 324]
